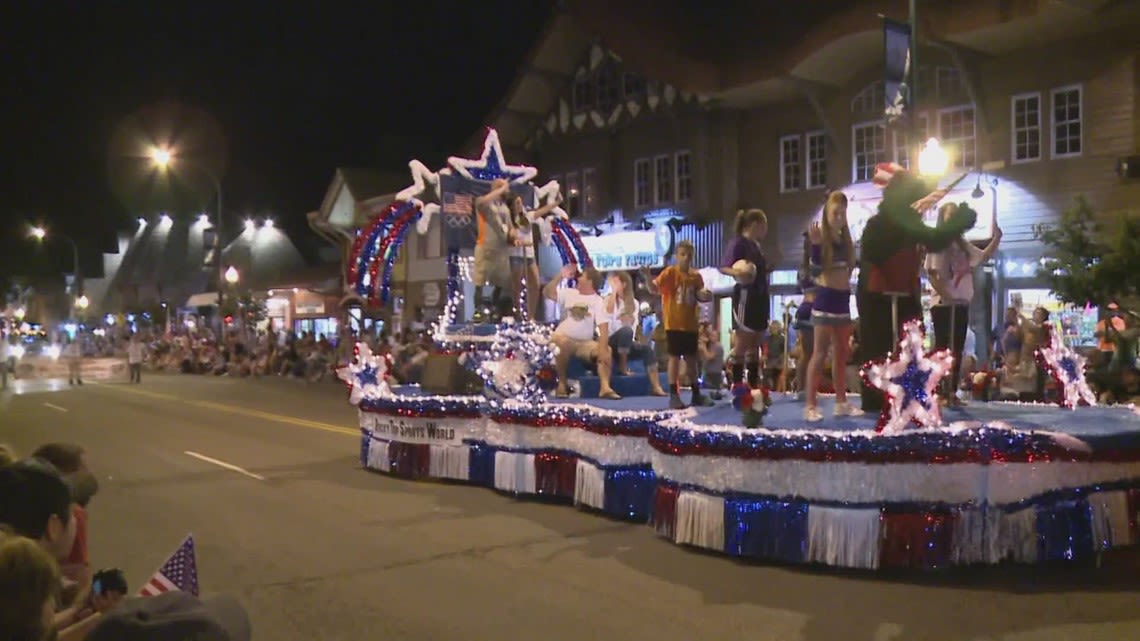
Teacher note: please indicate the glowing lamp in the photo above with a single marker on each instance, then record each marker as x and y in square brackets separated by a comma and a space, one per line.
[232, 275]
[932, 160]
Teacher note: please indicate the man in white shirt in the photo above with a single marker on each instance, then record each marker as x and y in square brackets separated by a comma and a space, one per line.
[136, 354]
[73, 356]
[584, 330]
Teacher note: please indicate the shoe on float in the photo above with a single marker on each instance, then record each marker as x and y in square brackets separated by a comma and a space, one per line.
[699, 400]
[675, 403]
[847, 409]
[812, 414]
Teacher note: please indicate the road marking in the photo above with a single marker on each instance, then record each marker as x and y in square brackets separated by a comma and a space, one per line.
[55, 407]
[233, 409]
[229, 466]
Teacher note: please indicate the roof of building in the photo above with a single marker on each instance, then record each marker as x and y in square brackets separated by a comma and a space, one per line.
[363, 184]
[757, 52]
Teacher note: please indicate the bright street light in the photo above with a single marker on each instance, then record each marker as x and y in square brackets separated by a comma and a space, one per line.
[249, 224]
[933, 159]
[82, 302]
[38, 233]
[161, 157]
[269, 222]
[142, 223]
[165, 219]
[203, 219]
[232, 275]
[20, 313]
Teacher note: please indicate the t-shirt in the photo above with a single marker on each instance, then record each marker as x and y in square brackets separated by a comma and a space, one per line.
[135, 353]
[78, 555]
[620, 311]
[741, 248]
[581, 314]
[679, 298]
[955, 268]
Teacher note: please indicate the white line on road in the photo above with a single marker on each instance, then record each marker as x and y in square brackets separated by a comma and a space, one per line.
[223, 464]
[55, 407]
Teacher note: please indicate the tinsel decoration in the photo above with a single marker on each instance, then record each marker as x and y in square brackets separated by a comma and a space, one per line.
[909, 379]
[367, 376]
[752, 404]
[1067, 368]
[510, 367]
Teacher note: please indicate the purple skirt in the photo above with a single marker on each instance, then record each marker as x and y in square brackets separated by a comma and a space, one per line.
[831, 307]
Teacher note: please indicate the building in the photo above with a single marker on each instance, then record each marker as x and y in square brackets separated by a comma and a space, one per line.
[643, 119]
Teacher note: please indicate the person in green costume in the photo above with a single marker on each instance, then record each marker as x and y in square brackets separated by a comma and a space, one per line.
[892, 248]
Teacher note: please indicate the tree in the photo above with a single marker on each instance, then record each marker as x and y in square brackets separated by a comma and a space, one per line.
[1091, 259]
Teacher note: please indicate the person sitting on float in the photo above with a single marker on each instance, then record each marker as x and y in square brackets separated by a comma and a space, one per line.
[622, 310]
[584, 330]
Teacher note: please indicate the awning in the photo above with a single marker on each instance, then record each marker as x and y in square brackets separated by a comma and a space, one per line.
[206, 299]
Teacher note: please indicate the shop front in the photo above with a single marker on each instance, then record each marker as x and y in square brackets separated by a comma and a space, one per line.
[1021, 289]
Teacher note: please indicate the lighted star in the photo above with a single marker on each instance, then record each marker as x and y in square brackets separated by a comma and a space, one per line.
[424, 192]
[551, 192]
[510, 368]
[1068, 368]
[909, 379]
[490, 165]
[366, 376]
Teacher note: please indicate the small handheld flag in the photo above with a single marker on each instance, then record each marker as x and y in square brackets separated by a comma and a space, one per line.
[180, 572]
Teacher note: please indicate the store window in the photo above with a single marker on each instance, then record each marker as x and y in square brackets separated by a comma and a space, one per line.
[1075, 324]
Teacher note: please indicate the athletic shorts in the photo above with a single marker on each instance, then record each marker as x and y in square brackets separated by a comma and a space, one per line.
[681, 343]
[831, 307]
[750, 311]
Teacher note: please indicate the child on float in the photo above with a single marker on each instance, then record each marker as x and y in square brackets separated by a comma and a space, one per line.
[524, 266]
[744, 260]
[951, 274]
[681, 288]
[832, 258]
[623, 311]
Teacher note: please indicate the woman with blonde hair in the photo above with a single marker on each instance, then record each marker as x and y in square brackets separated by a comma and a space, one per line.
[524, 265]
[623, 310]
[29, 583]
[832, 258]
[744, 260]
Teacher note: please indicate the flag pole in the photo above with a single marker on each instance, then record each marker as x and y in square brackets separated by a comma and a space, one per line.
[912, 82]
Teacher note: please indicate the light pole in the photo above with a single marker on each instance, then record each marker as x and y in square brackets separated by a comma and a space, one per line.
[40, 234]
[232, 277]
[163, 158]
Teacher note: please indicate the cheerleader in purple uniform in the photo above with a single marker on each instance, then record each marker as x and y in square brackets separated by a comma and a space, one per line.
[832, 258]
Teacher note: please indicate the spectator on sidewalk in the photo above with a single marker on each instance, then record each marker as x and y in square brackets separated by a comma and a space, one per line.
[73, 355]
[29, 580]
[70, 461]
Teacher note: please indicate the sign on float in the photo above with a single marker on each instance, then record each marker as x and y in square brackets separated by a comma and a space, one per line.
[630, 250]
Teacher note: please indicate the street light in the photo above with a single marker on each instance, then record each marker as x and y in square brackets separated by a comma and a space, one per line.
[40, 234]
[232, 275]
[82, 303]
[933, 159]
[162, 159]
[269, 223]
[20, 313]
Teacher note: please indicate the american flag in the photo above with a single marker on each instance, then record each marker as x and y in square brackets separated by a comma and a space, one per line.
[180, 572]
[457, 203]
[884, 171]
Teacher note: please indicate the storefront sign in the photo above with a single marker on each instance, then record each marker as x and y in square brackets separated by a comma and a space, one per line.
[629, 250]
[863, 202]
[431, 293]
[429, 431]
[310, 308]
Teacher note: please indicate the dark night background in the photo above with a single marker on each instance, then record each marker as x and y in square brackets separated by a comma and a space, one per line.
[273, 97]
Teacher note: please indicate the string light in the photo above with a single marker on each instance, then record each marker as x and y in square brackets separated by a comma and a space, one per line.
[367, 377]
[1067, 368]
[909, 379]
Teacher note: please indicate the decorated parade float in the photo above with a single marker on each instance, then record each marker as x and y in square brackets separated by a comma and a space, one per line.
[917, 486]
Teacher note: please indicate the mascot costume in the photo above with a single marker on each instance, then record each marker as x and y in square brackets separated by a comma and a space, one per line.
[888, 293]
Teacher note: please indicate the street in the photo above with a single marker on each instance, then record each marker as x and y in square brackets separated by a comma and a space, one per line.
[264, 473]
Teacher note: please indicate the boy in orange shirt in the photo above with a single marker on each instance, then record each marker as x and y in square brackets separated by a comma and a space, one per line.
[681, 288]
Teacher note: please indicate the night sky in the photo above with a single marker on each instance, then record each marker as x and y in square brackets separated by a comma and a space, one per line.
[272, 96]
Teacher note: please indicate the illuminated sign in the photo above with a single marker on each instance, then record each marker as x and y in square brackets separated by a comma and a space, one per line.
[863, 202]
[629, 250]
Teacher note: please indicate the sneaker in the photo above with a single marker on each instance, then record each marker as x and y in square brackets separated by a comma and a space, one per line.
[847, 409]
[812, 414]
[700, 400]
[675, 403]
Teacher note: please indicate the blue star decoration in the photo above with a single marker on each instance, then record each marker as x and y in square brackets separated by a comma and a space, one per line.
[1068, 369]
[491, 166]
[366, 376]
[909, 379]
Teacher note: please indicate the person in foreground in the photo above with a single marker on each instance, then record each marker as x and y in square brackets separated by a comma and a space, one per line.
[174, 616]
[584, 331]
[29, 582]
[681, 289]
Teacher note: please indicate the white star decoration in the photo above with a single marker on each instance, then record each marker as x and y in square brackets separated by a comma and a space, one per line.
[424, 192]
[1068, 367]
[491, 165]
[366, 376]
[909, 379]
[548, 193]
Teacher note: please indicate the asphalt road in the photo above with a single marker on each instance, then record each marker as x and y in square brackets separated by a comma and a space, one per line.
[319, 549]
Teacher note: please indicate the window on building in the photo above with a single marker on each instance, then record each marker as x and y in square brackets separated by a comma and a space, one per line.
[904, 151]
[642, 183]
[870, 100]
[949, 83]
[816, 159]
[583, 94]
[1066, 122]
[663, 179]
[956, 127]
[633, 86]
[791, 163]
[589, 192]
[1026, 126]
[684, 167]
[573, 198]
[869, 148]
[608, 87]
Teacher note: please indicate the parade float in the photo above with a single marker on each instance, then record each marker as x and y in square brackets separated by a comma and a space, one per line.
[918, 486]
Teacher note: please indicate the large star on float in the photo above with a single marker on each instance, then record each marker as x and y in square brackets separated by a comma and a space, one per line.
[424, 191]
[1068, 369]
[366, 376]
[491, 165]
[551, 192]
[909, 379]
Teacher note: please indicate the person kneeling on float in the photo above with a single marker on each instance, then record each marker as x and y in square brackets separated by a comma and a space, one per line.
[584, 330]
[681, 288]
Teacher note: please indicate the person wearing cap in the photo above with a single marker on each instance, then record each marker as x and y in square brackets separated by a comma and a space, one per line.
[174, 616]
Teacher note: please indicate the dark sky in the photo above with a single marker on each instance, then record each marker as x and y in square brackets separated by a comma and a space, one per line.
[272, 95]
